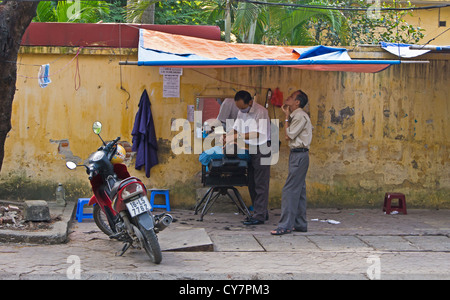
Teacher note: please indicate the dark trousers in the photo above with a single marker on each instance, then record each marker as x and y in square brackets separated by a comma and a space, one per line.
[258, 185]
[293, 199]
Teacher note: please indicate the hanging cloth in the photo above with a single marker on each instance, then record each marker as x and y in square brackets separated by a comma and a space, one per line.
[144, 137]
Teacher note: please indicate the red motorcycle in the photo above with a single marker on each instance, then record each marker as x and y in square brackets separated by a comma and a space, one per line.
[122, 209]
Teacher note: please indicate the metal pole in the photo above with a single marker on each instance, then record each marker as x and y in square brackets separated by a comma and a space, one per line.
[436, 48]
[127, 63]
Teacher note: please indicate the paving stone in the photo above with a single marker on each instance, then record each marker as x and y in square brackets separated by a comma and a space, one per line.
[389, 243]
[340, 243]
[236, 242]
[195, 239]
[285, 243]
[430, 243]
[326, 251]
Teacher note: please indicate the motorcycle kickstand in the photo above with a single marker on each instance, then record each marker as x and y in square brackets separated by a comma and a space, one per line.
[126, 246]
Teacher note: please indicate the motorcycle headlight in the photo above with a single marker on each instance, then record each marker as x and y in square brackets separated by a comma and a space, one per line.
[131, 190]
[97, 156]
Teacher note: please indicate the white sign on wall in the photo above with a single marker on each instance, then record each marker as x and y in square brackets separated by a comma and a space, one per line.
[171, 81]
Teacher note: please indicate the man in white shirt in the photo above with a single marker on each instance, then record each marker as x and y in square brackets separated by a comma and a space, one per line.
[228, 111]
[252, 126]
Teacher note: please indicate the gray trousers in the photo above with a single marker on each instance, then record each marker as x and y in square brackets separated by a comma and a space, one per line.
[258, 185]
[293, 199]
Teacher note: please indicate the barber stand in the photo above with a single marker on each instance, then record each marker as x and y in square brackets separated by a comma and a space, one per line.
[222, 176]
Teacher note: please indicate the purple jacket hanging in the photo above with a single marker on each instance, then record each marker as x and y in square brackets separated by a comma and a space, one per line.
[144, 137]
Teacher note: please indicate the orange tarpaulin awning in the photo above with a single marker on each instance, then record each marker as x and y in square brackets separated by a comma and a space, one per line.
[171, 50]
[179, 44]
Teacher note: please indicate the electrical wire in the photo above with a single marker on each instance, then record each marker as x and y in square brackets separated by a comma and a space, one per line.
[296, 5]
[61, 55]
[120, 67]
[58, 71]
[230, 82]
[435, 37]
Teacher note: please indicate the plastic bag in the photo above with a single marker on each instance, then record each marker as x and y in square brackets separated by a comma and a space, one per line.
[43, 76]
[277, 98]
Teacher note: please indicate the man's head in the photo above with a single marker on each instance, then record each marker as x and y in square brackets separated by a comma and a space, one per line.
[243, 101]
[302, 98]
[297, 99]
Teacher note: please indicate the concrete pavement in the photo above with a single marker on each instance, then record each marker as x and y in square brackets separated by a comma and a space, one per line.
[366, 244]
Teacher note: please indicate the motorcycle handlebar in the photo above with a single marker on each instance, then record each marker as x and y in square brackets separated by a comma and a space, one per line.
[111, 144]
[90, 170]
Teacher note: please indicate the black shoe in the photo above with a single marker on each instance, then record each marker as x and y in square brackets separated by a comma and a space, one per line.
[300, 229]
[252, 221]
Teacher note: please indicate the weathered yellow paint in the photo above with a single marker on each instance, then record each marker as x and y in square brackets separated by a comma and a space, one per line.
[428, 19]
[373, 133]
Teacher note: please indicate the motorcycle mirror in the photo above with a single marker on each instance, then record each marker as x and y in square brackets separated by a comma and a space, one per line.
[71, 165]
[97, 127]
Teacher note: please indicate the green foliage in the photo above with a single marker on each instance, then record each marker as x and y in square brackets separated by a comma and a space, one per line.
[169, 12]
[252, 23]
[389, 26]
[117, 12]
[306, 26]
[179, 12]
[282, 25]
[45, 12]
[73, 12]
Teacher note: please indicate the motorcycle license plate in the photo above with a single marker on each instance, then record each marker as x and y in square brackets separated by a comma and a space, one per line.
[138, 206]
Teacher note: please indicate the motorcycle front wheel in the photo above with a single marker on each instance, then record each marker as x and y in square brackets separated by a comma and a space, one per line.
[149, 242]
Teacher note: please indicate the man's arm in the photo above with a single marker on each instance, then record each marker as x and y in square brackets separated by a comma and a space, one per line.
[233, 136]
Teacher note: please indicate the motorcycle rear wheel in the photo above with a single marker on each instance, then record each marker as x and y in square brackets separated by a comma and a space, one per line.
[149, 241]
[101, 220]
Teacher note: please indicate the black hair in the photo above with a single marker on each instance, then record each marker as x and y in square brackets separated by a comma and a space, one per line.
[302, 97]
[243, 95]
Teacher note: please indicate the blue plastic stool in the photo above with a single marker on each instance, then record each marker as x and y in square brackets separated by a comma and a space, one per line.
[80, 210]
[154, 192]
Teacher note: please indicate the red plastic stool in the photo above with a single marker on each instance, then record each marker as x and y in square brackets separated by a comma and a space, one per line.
[388, 208]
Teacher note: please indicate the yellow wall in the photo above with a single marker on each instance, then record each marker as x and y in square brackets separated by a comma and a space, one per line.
[373, 133]
[428, 19]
